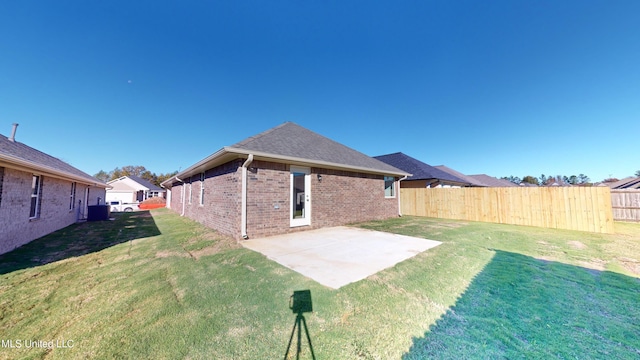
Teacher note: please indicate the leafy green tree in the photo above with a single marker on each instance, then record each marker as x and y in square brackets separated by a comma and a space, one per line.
[513, 179]
[530, 180]
[116, 174]
[543, 179]
[134, 170]
[583, 179]
[102, 175]
[162, 177]
[638, 173]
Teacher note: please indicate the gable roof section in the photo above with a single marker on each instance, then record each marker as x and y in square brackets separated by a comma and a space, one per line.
[419, 169]
[145, 183]
[142, 183]
[460, 175]
[291, 143]
[17, 155]
[493, 182]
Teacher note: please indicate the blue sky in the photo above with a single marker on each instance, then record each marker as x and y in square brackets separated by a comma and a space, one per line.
[495, 87]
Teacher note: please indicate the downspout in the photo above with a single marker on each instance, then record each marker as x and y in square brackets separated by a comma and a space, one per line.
[182, 195]
[243, 218]
[399, 207]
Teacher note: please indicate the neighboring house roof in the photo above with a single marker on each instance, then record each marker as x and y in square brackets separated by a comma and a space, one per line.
[490, 181]
[525, 184]
[626, 183]
[22, 157]
[135, 183]
[419, 169]
[460, 175]
[145, 183]
[293, 144]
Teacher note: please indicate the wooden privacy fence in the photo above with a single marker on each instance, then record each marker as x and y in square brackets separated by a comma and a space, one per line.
[626, 204]
[573, 208]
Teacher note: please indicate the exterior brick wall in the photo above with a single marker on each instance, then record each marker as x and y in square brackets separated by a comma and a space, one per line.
[346, 197]
[267, 199]
[341, 198]
[222, 201]
[16, 229]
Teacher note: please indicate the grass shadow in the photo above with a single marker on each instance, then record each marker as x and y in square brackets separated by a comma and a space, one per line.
[80, 239]
[522, 307]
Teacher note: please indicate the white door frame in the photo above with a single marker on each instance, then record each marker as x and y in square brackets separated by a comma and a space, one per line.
[305, 218]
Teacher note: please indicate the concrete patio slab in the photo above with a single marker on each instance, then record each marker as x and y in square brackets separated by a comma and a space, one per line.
[338, 256]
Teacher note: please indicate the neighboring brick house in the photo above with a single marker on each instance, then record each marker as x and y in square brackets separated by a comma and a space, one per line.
[131, 188]
[285, 179]
[423, 174]
[39, 194]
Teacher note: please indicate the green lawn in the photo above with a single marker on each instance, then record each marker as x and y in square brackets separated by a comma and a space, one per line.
[155, 285]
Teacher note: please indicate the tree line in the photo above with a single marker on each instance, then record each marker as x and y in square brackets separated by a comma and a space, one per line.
[543, 180]
[133, 170]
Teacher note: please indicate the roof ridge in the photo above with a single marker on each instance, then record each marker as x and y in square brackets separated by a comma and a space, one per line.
[293, 140]
[258, 136]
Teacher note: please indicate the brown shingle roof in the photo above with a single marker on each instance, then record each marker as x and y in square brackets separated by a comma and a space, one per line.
[493, 182]
[460, 175]
[291, 143]
[14, 153]
[292, 140]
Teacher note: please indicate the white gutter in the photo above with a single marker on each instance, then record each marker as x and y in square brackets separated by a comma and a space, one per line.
[243, 218]
[313, 163]
[227, 154]
[399, 205]
[29, 166]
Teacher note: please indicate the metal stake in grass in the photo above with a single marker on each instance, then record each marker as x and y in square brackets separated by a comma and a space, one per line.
[300, 303]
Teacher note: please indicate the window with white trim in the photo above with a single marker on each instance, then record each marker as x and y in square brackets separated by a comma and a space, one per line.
[36, 197]
[72, 197]
[202, 188]
[389, 187]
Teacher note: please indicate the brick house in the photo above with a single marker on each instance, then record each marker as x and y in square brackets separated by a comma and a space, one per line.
[39, 193]
[285, 179]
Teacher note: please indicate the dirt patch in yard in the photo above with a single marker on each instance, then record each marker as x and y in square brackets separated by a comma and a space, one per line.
[630, 264]
[436, 225]
[214, 249]
[166, 254]
[202, 244]
[577, 245]
[595, 264]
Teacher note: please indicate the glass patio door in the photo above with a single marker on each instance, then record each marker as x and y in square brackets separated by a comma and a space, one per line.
[300, 196]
